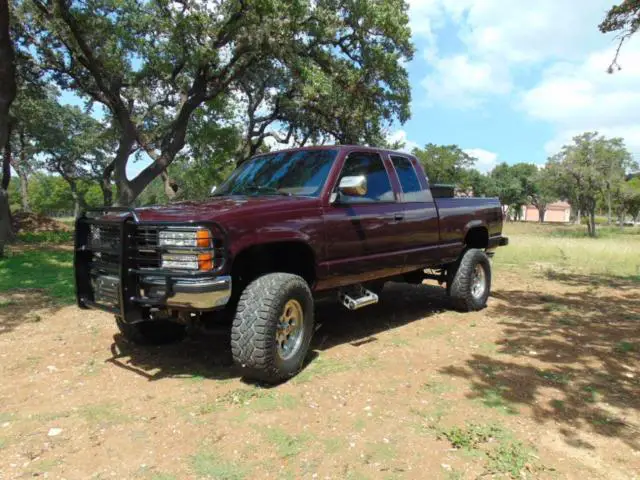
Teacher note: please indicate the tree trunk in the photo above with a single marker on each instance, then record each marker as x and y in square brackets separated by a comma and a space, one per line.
[541, 213]
[578, 216]
[7, 94]
[107, 194]
[170, 186]
[592, 223]
[105, 185]
[609, 210]
[24, 190]
[7, 72]
[6, 231]
[78, 202]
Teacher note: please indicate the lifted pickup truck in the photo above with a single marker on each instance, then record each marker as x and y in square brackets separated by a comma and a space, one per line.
[285, 228]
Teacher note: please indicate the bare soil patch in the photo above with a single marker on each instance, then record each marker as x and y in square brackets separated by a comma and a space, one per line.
[544, 383]
[28, 222]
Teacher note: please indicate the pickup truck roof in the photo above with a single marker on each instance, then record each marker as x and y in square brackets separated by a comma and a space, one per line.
[339, 148]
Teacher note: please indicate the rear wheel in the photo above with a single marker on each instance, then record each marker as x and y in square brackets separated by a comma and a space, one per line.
[272, 328]
[469, 282]
[156, 332]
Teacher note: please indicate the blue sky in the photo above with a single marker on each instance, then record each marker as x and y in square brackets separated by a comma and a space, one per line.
[514, 80]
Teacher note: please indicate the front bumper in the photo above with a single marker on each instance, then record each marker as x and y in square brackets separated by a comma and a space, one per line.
[118, 268]
[196, 294]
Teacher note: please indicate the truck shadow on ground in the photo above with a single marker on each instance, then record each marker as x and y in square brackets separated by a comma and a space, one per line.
[571, 359]
[209, 355]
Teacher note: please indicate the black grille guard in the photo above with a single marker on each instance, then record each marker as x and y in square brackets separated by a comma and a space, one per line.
[128, 264]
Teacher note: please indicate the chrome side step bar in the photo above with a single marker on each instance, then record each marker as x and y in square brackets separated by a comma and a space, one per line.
[357, 297]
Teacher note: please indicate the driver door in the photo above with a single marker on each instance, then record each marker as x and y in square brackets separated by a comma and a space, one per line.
[363, 240]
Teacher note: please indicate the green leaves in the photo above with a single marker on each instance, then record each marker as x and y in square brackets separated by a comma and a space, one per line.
[444, 163]
[292, 71]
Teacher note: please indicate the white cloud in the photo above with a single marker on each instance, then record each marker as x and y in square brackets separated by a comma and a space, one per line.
[501, 39]
[401, 136]
[461, 82]
[581, 96]
[486, 160]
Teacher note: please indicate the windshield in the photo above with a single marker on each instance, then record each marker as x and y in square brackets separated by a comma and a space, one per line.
[300, 173]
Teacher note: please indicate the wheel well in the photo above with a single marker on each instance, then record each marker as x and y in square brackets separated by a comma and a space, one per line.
[288, 257]
[477, 237]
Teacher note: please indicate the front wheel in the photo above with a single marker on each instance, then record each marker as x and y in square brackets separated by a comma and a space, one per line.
[272, 328]
[469, 284]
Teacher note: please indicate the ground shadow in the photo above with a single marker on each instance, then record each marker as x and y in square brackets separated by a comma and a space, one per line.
[198, 356]
[589, 348]
[400, 304]
[209, 355]
[23, 306]
[629, 282]
[35, 282]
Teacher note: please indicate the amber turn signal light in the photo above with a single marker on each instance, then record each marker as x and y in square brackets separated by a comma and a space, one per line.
[203, 238]
[205, 261]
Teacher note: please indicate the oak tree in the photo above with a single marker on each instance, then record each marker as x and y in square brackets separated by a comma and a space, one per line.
[335, 66]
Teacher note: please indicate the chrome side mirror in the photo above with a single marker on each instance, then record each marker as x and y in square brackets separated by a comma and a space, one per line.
[355, 186]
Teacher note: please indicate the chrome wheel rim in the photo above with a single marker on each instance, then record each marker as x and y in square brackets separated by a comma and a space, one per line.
[478, 282]
[290, 332]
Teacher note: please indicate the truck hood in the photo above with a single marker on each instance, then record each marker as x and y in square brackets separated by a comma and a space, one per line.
[223, 208]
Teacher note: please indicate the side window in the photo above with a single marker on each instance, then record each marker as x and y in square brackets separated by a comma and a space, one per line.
[409, 181]
[371, 166]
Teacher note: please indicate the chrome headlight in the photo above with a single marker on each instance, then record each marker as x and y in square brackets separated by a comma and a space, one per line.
[180, 261]
[197, 239]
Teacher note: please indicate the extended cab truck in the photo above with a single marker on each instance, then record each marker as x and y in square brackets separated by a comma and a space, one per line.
[285, 228]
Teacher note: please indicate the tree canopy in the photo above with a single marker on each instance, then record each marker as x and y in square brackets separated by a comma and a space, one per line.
[305, 68]
[590, 168]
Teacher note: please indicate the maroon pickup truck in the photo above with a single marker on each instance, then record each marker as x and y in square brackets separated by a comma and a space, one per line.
[284, 229]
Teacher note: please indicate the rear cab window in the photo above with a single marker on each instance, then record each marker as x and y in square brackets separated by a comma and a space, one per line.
[412, 190]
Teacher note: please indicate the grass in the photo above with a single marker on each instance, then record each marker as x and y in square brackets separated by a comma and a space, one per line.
[511, 457]
[6, 302]
[209, 465]
[565, 248]
[552, 376]
[592, 395]
[437, 388]
[626, 347]
[322, 367]
[254, 399]
[494, 398]
[45, 270]
[51, 238]
[380, 452]
[103, 414]
[504, 454]
[471, 436]
[286, 445]
[163, 476]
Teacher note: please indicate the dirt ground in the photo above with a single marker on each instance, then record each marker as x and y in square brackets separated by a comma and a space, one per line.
[544, 383]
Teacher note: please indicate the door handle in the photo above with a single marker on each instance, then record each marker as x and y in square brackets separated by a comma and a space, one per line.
[398, 217]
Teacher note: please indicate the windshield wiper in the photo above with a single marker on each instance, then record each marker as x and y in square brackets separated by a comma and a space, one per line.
[265, 189]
